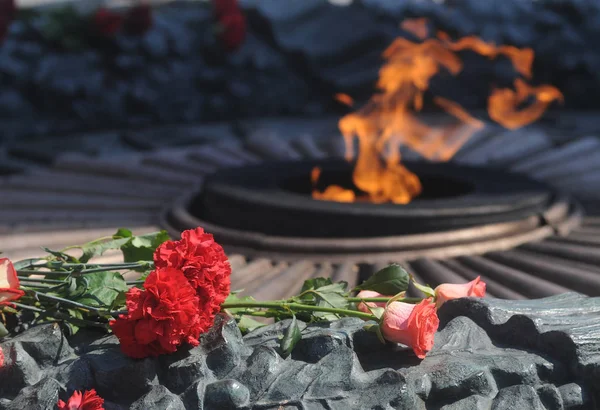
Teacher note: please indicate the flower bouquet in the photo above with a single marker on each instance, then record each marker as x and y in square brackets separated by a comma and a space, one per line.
[77, 27]
[181, 285]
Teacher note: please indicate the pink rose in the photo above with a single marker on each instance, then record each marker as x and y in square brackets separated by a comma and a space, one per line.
[363, 307]
[9, 282]
[447, 291]
[411, 325]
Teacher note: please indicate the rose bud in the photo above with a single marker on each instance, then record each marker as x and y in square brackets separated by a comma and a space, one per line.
[9, 283]
[447, 291]
[364, 306]
[411, 325]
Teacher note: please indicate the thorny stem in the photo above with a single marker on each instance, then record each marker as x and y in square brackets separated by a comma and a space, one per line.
[97, 268]
[405, 300]
[39, 280]
[299, 307]
[27, 307]
[69, 302]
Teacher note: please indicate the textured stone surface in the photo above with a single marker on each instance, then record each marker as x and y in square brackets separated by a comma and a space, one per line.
[488, 354]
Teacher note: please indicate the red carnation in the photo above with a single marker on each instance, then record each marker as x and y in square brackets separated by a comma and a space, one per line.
[88, 401]
[1, 357]
[204, 263]
[138, 20]
[161, 317]
[107, 22]
[232, 30]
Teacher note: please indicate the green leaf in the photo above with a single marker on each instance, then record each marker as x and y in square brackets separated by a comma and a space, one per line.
[396, 297]
[61, 255]
[390, 280]
[123, 233]
[234, 298]
[333, 295]
[98, 247]
[315, 283]
[247, 324]
[102, 290]
[374, 328]
[323, 292]
[3, 330]
[425, 289]
[76, 287]
[72, 328]
[141, 248]
[376, 311]
[290, 338]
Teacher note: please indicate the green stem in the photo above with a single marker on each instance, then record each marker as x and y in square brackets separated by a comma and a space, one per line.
[27, 307]
[41, 280]
[79, 266]
[134, 282]
[33, 287]
[255, 313]
[112, 268]
[81, 270]
[405, 300]
[69, 303]
[42, 272]
[299, 307]
[80, 322]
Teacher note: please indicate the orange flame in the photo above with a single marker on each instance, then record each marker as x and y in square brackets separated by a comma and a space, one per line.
[388, 119]
[344, 99]
[417, 27]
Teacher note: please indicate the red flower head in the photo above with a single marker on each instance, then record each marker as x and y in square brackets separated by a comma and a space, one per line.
[138, 20]
[232, 30]
[411, 325]
[448, 291]
[231, 23]
[9, 283]
[225, 7]
[1, 357]
[161, 317]
[107, 22]
[89, 400]
[204, 263]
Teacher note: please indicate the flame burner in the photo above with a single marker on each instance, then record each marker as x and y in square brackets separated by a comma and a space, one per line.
[266, 211]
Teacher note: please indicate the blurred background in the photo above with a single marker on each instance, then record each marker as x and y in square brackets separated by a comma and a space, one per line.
[111, 110]
[92, 64]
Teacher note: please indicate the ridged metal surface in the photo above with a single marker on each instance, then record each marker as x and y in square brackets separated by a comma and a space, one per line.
[61, 199]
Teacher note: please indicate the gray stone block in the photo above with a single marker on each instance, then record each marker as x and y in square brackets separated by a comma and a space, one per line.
[120, 378]
[184, 368]
[517, 397]
[477, 362]
[226, 394]
[41, 396]
[159, 398]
